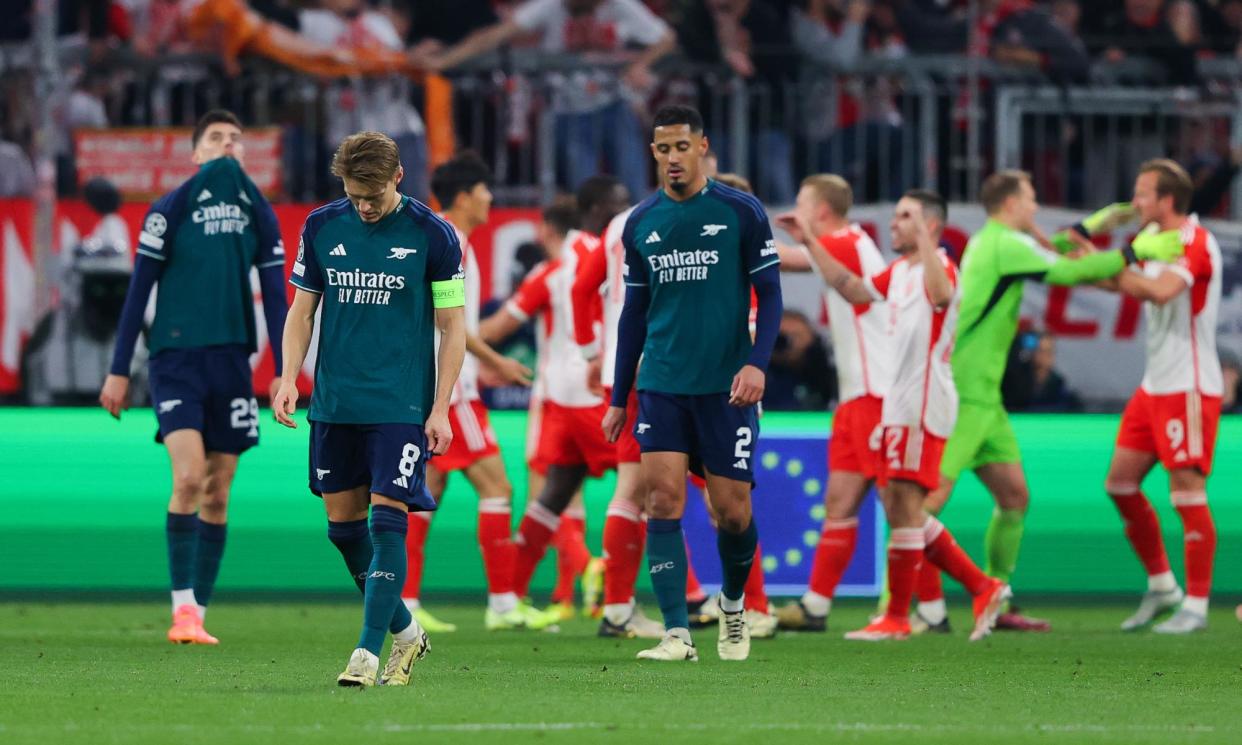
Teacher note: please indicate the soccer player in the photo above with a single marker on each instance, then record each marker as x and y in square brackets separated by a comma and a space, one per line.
[694, 249]
[1173, 416]
[921, 293]
[461, 186]
[570, 445]
[199, 243]
[388, 273]
[859, 346]
[998, 259]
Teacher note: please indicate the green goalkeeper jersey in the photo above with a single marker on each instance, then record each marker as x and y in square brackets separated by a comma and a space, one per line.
[996, 262]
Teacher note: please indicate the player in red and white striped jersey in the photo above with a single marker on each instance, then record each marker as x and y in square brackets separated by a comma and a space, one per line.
[921, 298]
[570, 445]
[1172, 417]
[860, 348]
[461, 186]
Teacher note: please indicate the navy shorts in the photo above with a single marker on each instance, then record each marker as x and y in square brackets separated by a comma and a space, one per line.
[715, 434]
[208, 389]
[390, 459]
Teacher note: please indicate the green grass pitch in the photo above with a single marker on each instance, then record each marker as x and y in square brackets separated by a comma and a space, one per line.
[96, 672]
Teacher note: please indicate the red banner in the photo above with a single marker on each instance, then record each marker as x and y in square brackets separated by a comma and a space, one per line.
[146, 163]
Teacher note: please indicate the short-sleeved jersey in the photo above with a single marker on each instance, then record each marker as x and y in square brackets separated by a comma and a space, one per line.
[1181, 334]
[859, 343]
[922, 393]
[547, 294]
[997, 262]
[696, 257]
[376, 360]
[208, 233]
[467, 388]
[614, 293]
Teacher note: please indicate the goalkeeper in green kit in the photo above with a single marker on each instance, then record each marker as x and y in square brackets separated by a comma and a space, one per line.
[997, 261]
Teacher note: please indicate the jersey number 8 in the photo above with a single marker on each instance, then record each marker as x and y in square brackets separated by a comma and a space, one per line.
[409, 457]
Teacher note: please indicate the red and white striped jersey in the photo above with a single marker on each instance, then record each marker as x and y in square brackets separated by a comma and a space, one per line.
[467, 387]
[1181, 334]
[859, 344]
[547, 293]
[920, 338]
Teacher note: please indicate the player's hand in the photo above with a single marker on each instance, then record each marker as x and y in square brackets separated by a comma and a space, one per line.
[285, 402]
[747, 387]
[1109, 218]
[439, 432]
[273, 388]
[595, 369]
[1164, 246]
[613, 423]
[788, 222]
[512, 372]
[114, 396]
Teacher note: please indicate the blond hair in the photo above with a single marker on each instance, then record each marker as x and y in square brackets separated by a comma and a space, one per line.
[1171, 180]
[833, 190]
[1000, 186]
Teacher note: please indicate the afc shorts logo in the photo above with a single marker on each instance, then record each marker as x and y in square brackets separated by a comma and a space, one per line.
[657, 568]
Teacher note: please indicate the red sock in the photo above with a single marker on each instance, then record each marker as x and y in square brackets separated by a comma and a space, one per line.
[415, 540]
[1142, 529]
[1199, 534]
[572, 556]
[832, 557]
[496, 544]
[534, 533]
[694, 591]
[905, 553]
[624, 536]
[929, 587]
[944, 552]
[756, 597]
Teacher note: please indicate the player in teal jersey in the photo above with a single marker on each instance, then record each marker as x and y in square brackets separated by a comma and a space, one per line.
[694, 251]
[200, 243]
[998, 259]
[388, 273]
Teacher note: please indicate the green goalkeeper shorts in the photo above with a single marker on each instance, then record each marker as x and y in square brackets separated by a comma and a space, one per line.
[982, 435]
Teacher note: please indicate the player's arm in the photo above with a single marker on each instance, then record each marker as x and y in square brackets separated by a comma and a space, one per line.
[295, 342]
[1101, 221]
[591, 275]
[763, 265]
[935, 277]
[270, 262]
[531, 298]
[835, 274]
[1159, 290]
[631, 334]
[1024, 258]
[114, 396]
[794, 258]
[509, 369]
[451, 321]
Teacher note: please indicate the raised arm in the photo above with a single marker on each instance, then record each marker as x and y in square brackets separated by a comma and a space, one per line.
[835, 274]
[935, 276]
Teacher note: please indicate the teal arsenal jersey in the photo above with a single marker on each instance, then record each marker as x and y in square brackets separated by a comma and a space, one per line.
[208, 233]
[376, 362]
[696, 258]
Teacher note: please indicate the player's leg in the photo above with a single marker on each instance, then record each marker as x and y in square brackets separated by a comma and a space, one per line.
[664, 475]
[416, 544]
[572, 555]
[212, 526]
[495, 536]
[625, 538]
[189, 466]
[931, 614]
[543, 519]
[903, 503]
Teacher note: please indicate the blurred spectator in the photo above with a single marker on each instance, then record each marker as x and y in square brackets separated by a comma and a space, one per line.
[932, 26]
[1225, 28]
[1211, 162]
[1141, 29]
[17, 177]
[799, 376]
[593, 116]
[752, 39]
[111, 234]
[1032, 37]
[447, 21]
[1031, 382]
[380, 104]
[83, 109]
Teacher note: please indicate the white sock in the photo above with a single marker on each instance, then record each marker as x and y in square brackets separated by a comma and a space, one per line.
[411, 604]
[502, 602]
[409, 633]
[183, 597]
[202, 613]
[618, 613]
[1163, 582]
[731, 606]
[816, 604]
[680, 633]
[933, 611]
[1195, 605]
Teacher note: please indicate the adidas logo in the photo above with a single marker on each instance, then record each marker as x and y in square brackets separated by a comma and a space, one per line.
[653, 238]
[741, 463]
[204, 195]
[338, 251]
[402, 482]
[321, 472]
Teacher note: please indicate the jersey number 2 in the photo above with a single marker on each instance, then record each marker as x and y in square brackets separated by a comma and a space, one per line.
[742, 448]
[245, 415]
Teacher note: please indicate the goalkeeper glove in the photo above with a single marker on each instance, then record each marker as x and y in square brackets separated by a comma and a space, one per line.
[1109, 218]
[1150, 245]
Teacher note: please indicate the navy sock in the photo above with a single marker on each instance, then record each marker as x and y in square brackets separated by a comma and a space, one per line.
[666, 557]
[382, 608]
[182, 542]
[207, 564]
[353, 540]
[737, 553]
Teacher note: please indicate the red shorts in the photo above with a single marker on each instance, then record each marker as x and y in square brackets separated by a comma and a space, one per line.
[1179, 428]
[911, 454]
[627, 446]
[571, 436]
[473, 438]
[856, 430]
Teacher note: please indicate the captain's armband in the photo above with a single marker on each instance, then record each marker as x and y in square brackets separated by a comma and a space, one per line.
[448, 293]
